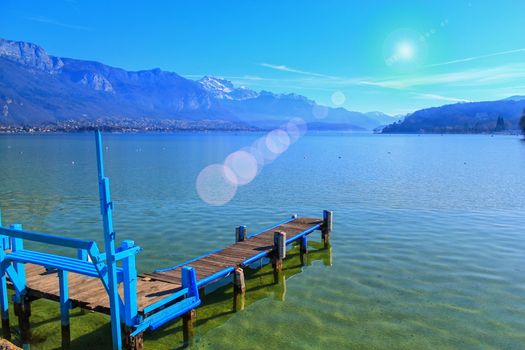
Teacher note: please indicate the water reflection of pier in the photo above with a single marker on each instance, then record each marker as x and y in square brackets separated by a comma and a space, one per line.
[223, 299]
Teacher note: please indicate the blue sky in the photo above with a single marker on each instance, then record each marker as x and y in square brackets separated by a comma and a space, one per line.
[391, 56]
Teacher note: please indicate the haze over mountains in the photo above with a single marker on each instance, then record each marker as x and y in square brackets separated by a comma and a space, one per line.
[39, 89]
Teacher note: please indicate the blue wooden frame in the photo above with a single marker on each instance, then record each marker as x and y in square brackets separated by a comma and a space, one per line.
[91, 262]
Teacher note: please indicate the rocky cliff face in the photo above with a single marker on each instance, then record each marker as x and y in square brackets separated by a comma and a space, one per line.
[30, 55]
[39, 88]
[96, 82]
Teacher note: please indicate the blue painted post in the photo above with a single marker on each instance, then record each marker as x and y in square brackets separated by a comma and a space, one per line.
[4, 302]
[106, 208]
[18, 244]
[65, 305]
[22, 303]
[189, 280]
[82, 254]
[130, 285]
[240, 233]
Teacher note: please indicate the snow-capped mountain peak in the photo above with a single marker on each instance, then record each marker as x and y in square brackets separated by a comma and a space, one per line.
[224, 89]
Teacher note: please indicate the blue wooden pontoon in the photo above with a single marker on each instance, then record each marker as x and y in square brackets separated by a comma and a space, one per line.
[136, 308]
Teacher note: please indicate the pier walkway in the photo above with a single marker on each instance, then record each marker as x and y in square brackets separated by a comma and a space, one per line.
[107, 282]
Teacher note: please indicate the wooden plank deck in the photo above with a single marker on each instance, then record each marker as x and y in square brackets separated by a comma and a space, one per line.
[89, 293]
[235, 254]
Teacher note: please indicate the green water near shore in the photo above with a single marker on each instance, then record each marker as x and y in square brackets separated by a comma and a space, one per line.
[427, 248]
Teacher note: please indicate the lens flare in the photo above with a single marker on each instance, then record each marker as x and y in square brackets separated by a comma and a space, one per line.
[338, 98]
[214, 184]
[295, 128]
[277, 141]
[217, 184]
[243, 165]
[263, 152]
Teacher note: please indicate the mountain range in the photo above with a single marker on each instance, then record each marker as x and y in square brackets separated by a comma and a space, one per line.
[40, 89]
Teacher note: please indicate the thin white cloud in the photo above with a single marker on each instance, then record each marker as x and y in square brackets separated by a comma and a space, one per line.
[284, 68]
[473, 58]
[51, 21]
[476, 77]
[439, 97]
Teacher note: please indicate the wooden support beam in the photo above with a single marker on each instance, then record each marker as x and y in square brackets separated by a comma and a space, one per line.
[303, 249]
[23, 312]
[239, 289]
[202, 294]
[65, 305]
[281, 287]
[279, 253]
[4, 303]
[327, 227]
[131, 342]
[6, 329]
[188, 324]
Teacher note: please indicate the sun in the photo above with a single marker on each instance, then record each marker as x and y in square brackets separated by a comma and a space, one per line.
[405, 50]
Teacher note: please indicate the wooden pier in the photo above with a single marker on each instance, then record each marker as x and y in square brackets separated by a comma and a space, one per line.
[136, 303]
[89, 293]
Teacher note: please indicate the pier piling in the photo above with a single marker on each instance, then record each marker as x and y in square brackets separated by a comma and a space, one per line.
[303, 249]
[239, 289]
[23, 312]
[130, 342]
[188, 324]
[240, 233]
[279, 253]
[327, 227]
[6, 329]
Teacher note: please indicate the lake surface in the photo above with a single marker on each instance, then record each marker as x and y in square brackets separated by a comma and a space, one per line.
[428, 247]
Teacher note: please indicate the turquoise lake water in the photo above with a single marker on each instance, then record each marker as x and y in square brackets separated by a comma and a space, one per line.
[428, 246]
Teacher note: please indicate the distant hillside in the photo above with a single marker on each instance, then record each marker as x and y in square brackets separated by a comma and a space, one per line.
[40, 89]
[475, 117]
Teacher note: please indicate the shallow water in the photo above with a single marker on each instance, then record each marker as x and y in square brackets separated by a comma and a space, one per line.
[427, 249]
